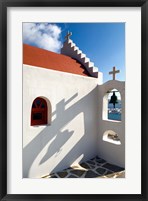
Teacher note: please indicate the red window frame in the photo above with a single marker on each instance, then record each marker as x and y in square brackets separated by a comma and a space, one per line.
[39, 112]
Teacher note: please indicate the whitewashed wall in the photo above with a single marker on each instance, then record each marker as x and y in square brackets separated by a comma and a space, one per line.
[111, 152]
[72, 135]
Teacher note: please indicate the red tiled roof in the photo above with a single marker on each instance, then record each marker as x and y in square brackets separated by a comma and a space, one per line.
[46, 59]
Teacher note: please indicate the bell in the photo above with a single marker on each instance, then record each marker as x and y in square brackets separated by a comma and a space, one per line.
[113, 99]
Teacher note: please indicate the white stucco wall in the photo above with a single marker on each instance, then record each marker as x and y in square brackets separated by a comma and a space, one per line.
[111, 152]
[72, 135]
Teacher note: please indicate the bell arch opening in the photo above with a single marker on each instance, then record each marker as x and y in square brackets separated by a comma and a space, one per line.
[112, 105]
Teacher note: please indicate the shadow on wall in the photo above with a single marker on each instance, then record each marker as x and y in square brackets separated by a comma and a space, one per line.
[58, 138]
[57, 143]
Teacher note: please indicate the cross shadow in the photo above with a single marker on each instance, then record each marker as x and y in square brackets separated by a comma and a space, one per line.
[32, 151]
[57, 143]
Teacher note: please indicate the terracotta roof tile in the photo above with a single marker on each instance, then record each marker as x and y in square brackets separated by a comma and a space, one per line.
[46, 59]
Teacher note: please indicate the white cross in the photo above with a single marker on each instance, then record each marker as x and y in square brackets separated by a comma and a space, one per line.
[114, 72]
[68, 35]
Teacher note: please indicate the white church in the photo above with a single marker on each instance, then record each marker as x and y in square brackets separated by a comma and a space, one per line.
[65, 111]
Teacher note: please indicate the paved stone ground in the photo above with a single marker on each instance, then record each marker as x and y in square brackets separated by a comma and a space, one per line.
[93, 168]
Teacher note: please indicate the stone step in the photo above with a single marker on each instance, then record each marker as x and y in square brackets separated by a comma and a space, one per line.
[91, 64]
[95, 69]
[70, 41]
[81, 55]
[85, 59]
[92, 71]
[95, 74]
[75, 48]
[73, 44]
[77, 51]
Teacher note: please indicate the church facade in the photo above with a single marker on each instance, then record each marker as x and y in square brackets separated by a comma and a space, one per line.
[65, 107]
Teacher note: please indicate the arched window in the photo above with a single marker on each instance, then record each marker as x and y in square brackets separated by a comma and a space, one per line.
[39, 112]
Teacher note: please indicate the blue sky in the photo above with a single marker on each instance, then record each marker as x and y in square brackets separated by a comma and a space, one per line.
[103, 43]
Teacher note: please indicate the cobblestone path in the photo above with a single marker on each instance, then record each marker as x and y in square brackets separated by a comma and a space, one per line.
[93, 168]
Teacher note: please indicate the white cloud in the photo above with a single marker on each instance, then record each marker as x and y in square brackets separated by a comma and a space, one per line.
[42, 35]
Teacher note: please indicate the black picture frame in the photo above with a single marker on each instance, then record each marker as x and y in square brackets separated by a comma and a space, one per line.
[4, 4]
